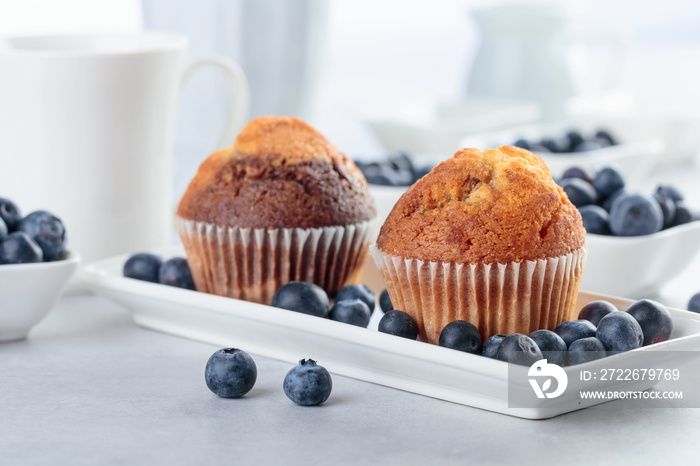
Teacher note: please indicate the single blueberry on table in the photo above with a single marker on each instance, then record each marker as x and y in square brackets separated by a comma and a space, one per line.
[575, 138]
[4, 231]
[360, 292]
[19, 248]
[654, 319]
[694, 303]
[619, 331]
[48, 232]
[400, 324]
[143, 266]
[462, 336]
[596, 310]
[607, 181]
[308, 384]
[10, 214]
[303, 297]
[176, 272]
[668, 209]
[578, 172]
[635, 215]
[490, 346]
[607, 204]
[385, 302]
[552, 346]
[596, 220]
[573, 330]
[230, 373]
[351, 311]
[585, 350]
[580, 193]
[667, 190]
[519, 349]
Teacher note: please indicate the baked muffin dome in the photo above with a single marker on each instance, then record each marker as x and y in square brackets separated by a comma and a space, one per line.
[500, 205]
[280, 173]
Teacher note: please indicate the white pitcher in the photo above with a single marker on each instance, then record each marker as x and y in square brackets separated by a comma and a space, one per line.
[87, 129]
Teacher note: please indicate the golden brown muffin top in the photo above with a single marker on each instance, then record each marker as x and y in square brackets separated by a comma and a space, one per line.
[499, 205]
[280, 173]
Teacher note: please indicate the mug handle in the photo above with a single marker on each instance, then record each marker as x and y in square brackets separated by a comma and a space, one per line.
[238, 90]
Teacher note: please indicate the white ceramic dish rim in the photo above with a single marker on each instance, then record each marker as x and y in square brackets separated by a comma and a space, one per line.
[68, 257]
[668, 233]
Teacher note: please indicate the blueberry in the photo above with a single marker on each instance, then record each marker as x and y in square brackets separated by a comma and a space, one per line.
[400, 324]
[606, 136]
[462, 336]
[360, 292]
[667, 190]
[607, 204]
[385, 302]
[519, 349]
[3, 229]
[573, 330]
[490, 346]
[48, 232]
[552, 346]
[596, 310]
[590, 145]
[402, 163]
[668, 209]
[575, 139]
[585, 350]
[351, 311]
[578, 172]
[596, 220]
[303, 297]
[694, 303]
[308, 384]
[619, 331]
[557, 145]
[634, 215]
[579, 192]
[523, 144]
[230, 373]
[683, 215]
[143, 266]
[176, 272]
[19, 248]
[654, 319]
[9, 213]
[607, 181]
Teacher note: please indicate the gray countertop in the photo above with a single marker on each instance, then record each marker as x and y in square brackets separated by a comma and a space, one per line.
[90, 387]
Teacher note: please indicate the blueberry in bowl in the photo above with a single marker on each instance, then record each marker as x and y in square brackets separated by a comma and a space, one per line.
[462, 336]
[303, 297]
[519, 349]
[48, 232]
[552, 346]
[351, 311]
[573, 330]
[175, 272]
[143, 266]
[635, 215]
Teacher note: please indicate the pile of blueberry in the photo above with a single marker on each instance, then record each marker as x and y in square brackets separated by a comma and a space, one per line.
[38, 237]
[608, 209]
[571, 141]
[353, 304]
[396, 170]
[231, 373]
[600, 330]
[151, 268]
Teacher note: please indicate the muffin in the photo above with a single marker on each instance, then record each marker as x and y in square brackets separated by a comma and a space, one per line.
[283, 204]
[486, 237]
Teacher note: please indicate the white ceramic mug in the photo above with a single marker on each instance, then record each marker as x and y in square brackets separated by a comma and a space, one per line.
[87, 129]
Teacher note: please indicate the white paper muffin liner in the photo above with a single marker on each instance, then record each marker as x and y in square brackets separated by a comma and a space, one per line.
[516, 297]
[252, 263]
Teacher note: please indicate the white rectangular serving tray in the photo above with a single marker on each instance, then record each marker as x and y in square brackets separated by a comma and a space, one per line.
[360, 353]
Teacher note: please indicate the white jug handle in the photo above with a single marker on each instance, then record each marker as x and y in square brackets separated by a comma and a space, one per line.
[238, 90]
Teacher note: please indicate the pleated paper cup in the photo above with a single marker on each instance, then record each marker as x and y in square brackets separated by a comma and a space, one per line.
[516, 297]
[252, 263]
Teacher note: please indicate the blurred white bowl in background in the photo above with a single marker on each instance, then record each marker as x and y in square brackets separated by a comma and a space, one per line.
[634, 158]
[29, 291]
[435, 128]
[639, 266]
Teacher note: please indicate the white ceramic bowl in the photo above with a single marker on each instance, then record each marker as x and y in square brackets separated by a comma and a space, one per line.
[633, 157]
[29, 291]
[638, 266]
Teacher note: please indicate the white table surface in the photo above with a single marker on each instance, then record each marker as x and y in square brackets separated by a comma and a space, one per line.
[90, 387]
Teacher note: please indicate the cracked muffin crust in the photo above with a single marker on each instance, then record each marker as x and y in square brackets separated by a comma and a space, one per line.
[280, 173]
[496, 206]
